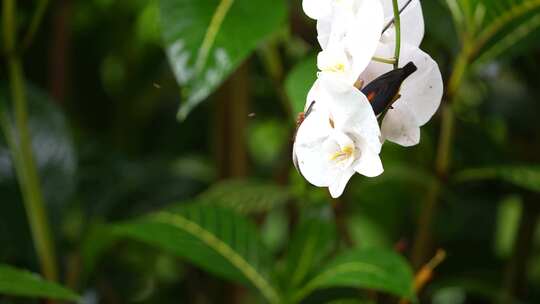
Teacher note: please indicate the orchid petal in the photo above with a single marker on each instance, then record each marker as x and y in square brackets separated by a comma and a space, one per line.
[338, 186]
[324, 27]
[412, 21]
[311, 130]
[352, 113]
[364, 34]
[423, 90]
[400, 126]
[369, 164]
[317, 9]
[313, 161]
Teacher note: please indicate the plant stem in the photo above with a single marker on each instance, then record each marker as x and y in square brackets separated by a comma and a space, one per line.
[383, 60]
[397, 25]
[34, 24]
[8, 16]
[33, 196]
[442, 162]
[23, 157]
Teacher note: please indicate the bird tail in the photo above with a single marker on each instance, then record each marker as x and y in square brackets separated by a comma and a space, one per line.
[408, 69]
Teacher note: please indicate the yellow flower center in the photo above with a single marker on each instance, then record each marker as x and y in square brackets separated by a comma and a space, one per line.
[342, 154]
[338, 67]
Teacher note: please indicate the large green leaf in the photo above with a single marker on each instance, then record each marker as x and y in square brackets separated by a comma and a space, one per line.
[213, 238]
[245, 196]
[16, 282]
[206, 40]
[376, 269]
[497, 26]
[310, 243]
[526, 177]
[299, 81]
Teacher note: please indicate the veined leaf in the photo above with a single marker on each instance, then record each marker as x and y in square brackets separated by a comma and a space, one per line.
[310, 243]
[206, 40]
[245, 196]
[497, 25]
[376, 269]
[299, 81]
[16, 282]
[527, 177]
[213, 238]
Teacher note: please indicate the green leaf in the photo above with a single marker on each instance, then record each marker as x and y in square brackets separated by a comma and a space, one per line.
[97, 240]
[496, 26]
[213, 238]
[245, 196]
[299, 81]
[382, 270]
[525, 176]
[206, 40]
[275, 230]
[16, 282]
[509, 214]
[310, 243]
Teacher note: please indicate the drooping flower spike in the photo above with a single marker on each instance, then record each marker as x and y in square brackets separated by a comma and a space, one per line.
[380, 93]
[339, 134]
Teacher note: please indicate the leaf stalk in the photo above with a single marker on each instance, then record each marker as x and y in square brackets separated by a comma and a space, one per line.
[21, 150]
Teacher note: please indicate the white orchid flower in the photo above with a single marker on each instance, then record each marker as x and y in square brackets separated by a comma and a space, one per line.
[347, 29]
[337, 17]
[411, 21]
[336, 64]
[420, 93]
[338, 137]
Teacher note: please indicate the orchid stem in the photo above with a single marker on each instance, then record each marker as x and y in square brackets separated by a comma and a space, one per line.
[443, 159]
[397, 25]
[21, 150]
[384, 60]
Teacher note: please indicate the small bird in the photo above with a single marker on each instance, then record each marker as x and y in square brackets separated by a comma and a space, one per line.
[384, 90]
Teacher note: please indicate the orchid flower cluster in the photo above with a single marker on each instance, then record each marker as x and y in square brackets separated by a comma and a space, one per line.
[339, 133]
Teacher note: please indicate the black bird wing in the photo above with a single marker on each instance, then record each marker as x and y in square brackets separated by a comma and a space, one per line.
[382, 92]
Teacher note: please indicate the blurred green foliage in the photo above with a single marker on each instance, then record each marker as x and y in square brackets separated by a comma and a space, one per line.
[144, 208]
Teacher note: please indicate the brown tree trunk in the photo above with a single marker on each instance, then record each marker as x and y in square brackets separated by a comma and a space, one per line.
[230, 129]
